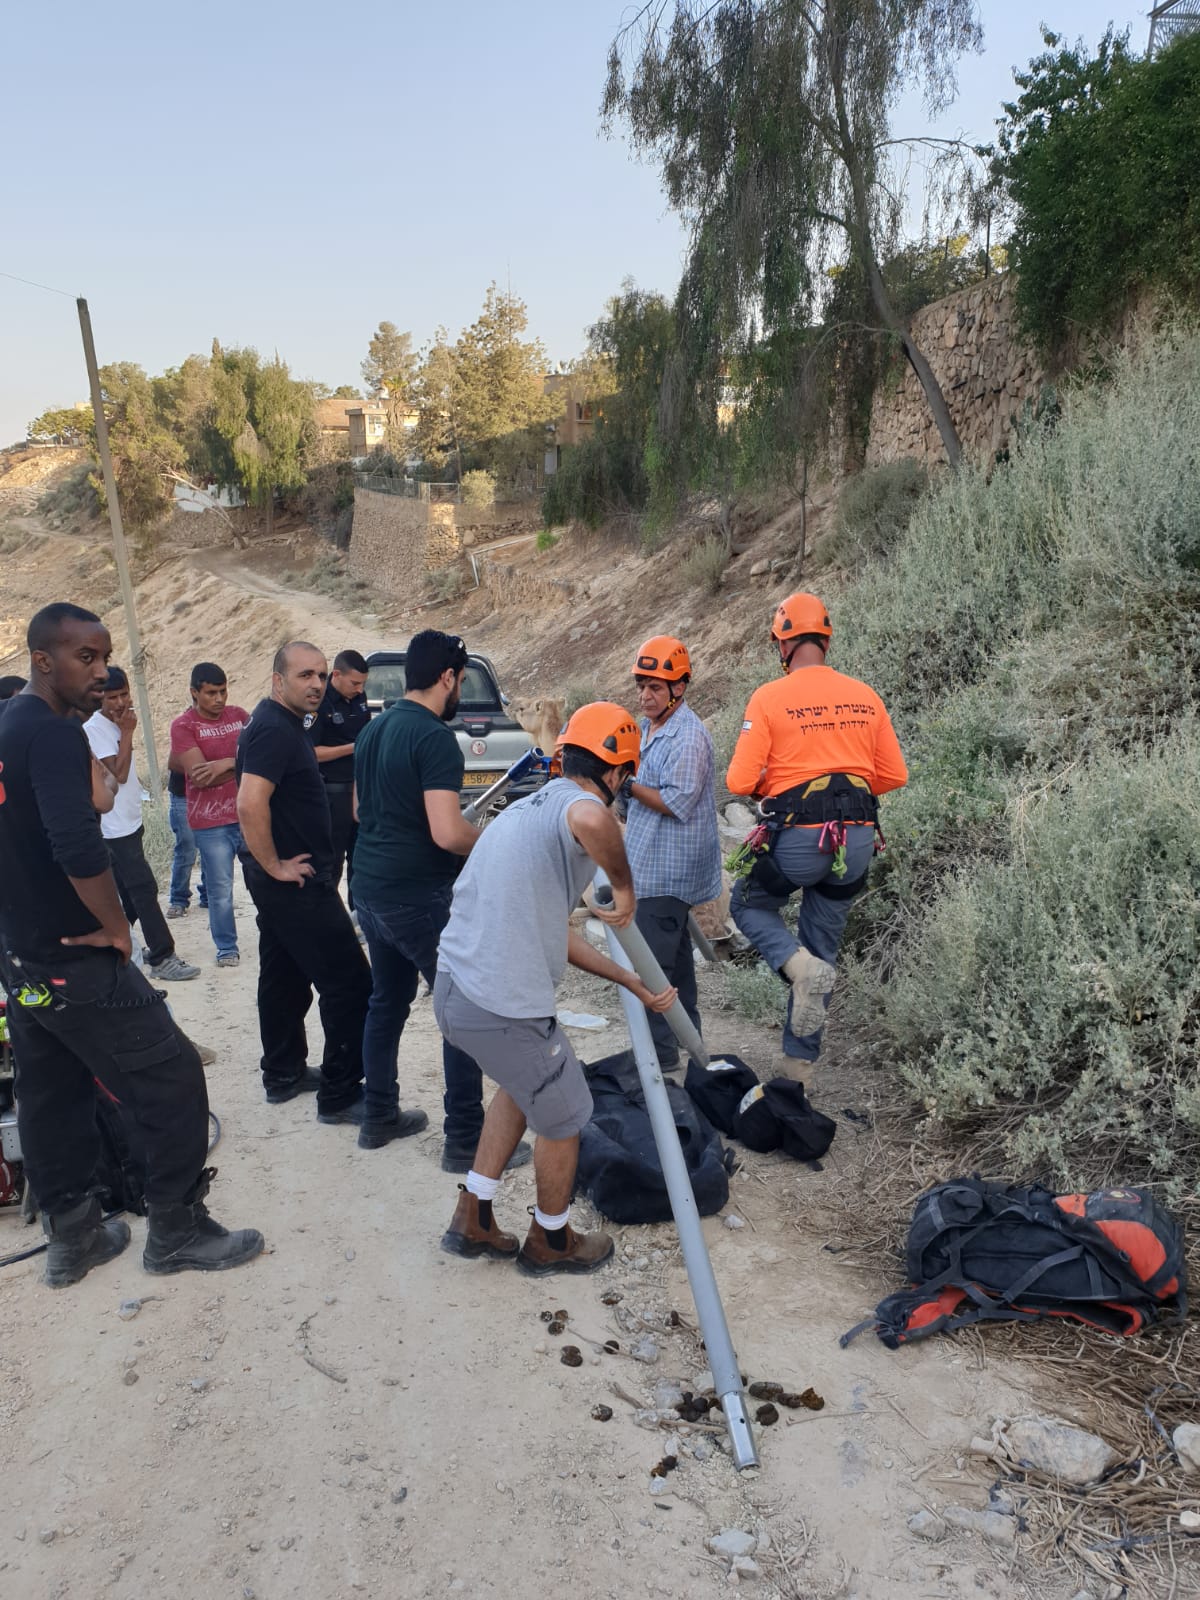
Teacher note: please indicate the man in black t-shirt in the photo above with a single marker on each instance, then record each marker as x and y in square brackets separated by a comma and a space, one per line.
[77, 1010]
[306, 940]
[413, 839]
[342, 716]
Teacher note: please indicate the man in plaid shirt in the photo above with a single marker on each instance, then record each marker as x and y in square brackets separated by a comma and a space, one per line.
[671, 827]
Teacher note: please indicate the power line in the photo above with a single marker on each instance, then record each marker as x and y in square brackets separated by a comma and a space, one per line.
[30, 284]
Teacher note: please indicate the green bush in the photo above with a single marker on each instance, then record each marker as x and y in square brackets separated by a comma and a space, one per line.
[1064, 980]
[753, 992]
[704, 565]
[1025, 957]
[875, 508]
[73, 492]
[546, 540]
[1100, 157]
[478, 488]
[581, 490]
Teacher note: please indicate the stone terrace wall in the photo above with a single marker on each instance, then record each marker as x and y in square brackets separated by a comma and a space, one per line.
[986, 372]
[396, 541]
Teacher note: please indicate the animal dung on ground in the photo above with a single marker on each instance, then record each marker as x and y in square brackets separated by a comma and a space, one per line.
[611, 1346]
[809, 1399]
[602, 1413]
[611, 1297]
[546, 1316]
[571, 1356]
[767, 1415]
[562, 1316]
[765, 1391]
[667, 1464]
[556, 1325]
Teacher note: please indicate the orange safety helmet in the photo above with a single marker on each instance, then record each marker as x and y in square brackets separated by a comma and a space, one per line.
[663, 657]
[799, 614]
[606, 731]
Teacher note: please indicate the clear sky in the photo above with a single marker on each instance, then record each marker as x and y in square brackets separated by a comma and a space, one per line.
[287, 175]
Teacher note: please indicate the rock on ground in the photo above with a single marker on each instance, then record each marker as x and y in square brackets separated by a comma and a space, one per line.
[1059, 1448]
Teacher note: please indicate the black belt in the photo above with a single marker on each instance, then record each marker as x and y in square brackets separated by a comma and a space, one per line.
[338, 788]
[833, 797]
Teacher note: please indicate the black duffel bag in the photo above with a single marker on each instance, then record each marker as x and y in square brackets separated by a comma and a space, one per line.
[619, 1170]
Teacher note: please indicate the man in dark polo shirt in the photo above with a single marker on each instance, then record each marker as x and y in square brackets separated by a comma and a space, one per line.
[77, 1009]
[343, 715]
[412, 841]
[306, 940]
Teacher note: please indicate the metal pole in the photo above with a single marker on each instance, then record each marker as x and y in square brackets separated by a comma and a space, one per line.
[700, 941]
[641, 959]
[722, 1358]
[137, 658]
[520, 768]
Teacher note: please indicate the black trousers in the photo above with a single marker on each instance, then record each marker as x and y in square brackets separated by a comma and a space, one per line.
[663, 921]
[306, 941]
[345, 832]
[103, 1021]
[139, 894]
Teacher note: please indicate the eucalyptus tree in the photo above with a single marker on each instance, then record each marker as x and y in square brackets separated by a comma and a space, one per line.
[770, 120]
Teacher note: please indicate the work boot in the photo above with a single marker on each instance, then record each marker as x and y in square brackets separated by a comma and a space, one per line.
[811, 980]
[308, 1082]
[797, 1071]
[582, 1252]
[375, 1133]
[80, 1239]
[184, 1238]
[466, 1235]
[461, 1159]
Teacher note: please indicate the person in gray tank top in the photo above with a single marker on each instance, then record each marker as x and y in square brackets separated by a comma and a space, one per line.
[503, 952]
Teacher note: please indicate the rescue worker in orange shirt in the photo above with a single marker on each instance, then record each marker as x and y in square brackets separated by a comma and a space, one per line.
[817, 749]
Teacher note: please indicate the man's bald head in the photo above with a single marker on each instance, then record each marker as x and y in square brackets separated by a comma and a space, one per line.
[299, 674]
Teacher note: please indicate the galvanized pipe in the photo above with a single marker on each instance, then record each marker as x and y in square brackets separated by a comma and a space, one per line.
[722, 1358]
[520, 768]
[641, 959]
[700, 940]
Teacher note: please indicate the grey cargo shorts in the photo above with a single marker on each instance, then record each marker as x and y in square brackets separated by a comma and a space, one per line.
[529, 1057]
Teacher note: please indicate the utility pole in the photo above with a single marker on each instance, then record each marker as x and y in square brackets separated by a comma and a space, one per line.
[121, 552]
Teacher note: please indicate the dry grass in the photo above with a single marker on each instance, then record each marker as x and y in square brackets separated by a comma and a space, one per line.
[1132, 1392]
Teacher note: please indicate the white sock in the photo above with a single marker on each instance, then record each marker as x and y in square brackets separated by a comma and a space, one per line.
[482, 1188]
[550, 1223]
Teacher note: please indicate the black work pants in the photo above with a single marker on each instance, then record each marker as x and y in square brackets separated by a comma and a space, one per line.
[663, 921]
[345, 832]
[306, 941]
[103, 1021]
[139, 894]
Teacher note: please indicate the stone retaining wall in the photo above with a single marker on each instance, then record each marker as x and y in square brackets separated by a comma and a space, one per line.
[396, 541]
[986, 370]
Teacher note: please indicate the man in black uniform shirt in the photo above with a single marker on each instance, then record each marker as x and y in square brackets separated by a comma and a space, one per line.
[77, 1010]
[306, 940]
[343, 715]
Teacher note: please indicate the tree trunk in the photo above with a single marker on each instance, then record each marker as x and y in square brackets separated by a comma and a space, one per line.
[861, 235]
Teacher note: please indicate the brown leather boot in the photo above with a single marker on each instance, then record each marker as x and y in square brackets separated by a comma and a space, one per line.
[467, 1237]
[583, 1252]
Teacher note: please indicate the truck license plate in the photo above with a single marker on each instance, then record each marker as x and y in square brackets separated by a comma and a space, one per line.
[480, 780]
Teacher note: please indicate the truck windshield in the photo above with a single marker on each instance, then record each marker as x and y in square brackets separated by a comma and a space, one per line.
[385, 682]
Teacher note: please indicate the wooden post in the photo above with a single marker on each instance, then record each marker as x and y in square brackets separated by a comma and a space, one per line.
[120, 551]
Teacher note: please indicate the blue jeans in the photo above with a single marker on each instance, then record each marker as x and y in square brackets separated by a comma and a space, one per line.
[402, 940]
[184, 858]
[821, 920]
[218, 849]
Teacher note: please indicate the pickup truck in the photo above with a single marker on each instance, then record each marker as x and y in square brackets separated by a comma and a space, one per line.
[487, 736]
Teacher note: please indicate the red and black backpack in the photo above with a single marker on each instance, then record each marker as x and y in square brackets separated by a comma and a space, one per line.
[994, 1252]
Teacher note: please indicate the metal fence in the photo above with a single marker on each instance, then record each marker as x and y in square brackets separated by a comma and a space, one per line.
[409, 488]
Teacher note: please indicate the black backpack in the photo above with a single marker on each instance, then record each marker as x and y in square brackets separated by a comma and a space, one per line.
[619, 1169]
[995, 1252]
